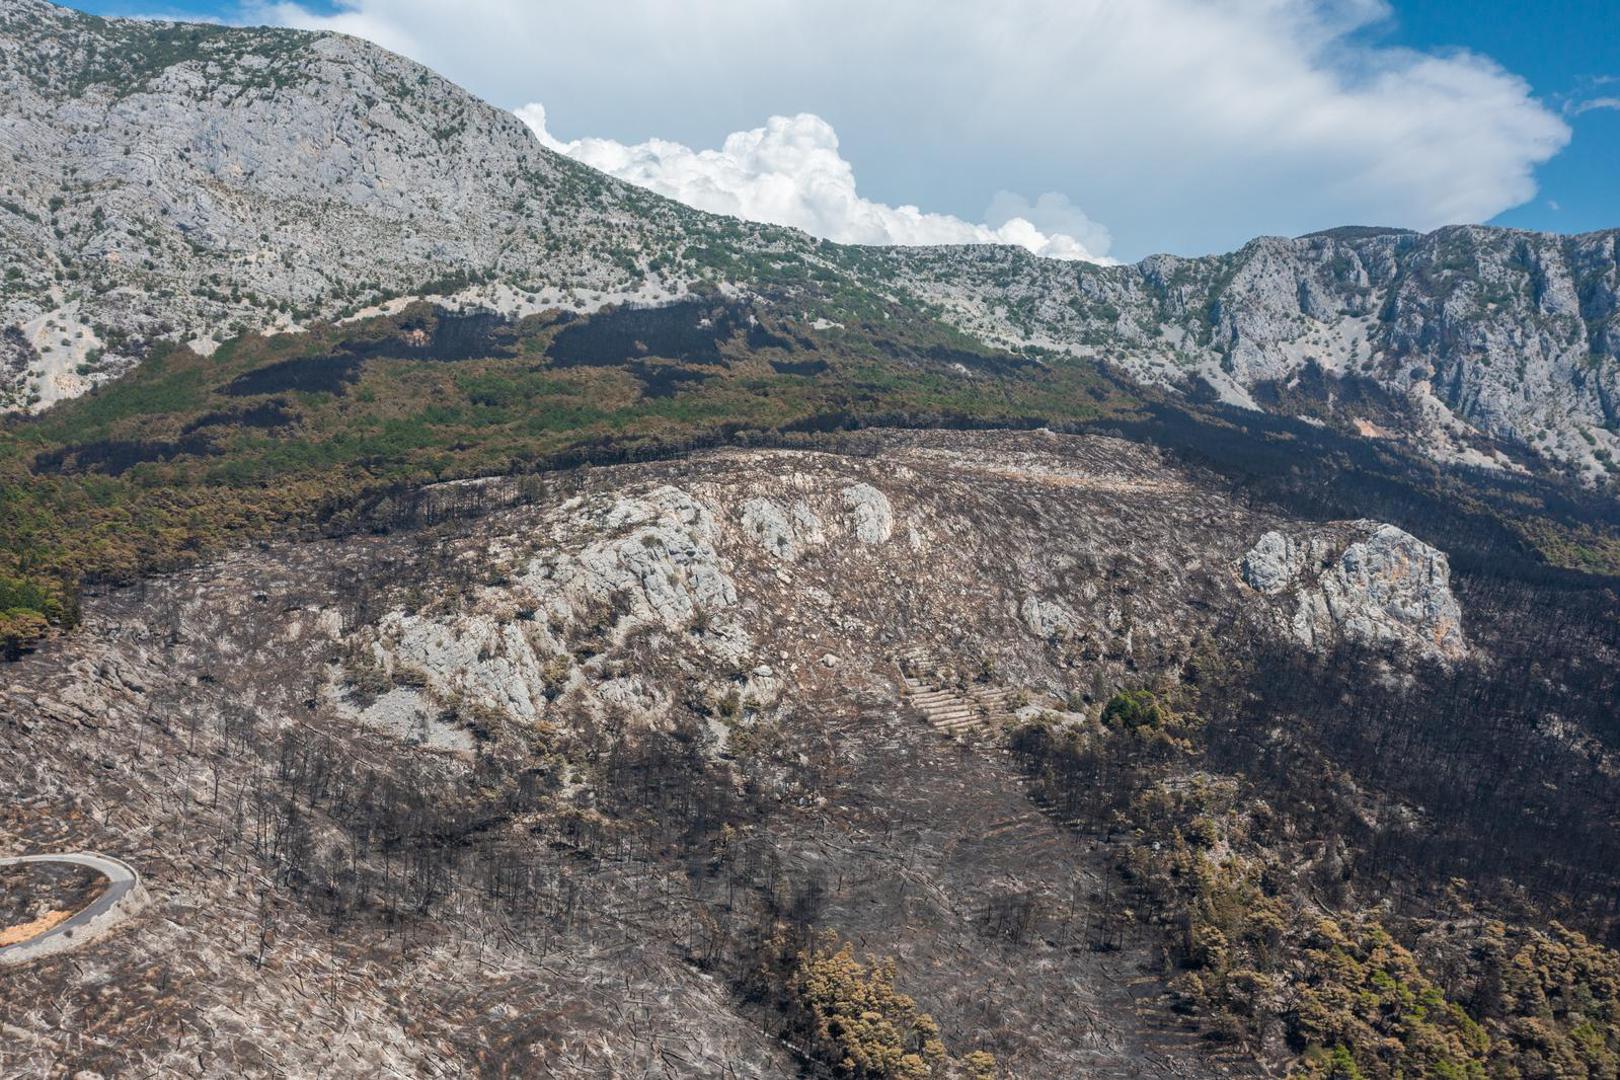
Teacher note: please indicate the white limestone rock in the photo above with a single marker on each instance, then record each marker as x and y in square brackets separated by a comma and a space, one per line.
[469, 655]
[1047, 618]
[781, 533]
[411, 718]
[869, 513]
[645, 560]
[666, 568]
[1273, 564]
[1366, 582]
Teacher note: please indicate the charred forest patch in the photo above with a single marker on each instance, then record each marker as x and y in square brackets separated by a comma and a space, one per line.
[442, 335]
[1316, 392]
[332, 373]
[811, 367]
[265, 416]
[664, 348]
[951, 356]
[114, 457]
[439, 335]
[1494, 799]
[664, 380]
[989, 363]
[761, 338]
[690, 332]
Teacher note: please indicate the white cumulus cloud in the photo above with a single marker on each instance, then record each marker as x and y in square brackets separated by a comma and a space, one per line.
[790, 172]
[1185, 125]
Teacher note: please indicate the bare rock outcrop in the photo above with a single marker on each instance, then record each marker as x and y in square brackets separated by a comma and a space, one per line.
[782, 532]
[315, 174]
[610, 567]
[870, 511]
[1365, 582]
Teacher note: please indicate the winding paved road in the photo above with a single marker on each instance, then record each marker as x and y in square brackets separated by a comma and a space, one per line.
[100, 914]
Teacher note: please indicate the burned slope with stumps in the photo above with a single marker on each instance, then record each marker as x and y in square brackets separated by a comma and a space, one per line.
[662, 769]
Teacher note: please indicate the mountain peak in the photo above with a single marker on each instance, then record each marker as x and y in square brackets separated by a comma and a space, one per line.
[1357, 232]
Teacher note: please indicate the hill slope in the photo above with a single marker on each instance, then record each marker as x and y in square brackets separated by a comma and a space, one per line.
[1127, 776]
[529, 647]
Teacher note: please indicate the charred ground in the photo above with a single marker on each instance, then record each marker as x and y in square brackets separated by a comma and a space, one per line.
[366, 818]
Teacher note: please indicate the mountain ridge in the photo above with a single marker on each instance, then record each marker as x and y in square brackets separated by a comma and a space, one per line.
[172, 181]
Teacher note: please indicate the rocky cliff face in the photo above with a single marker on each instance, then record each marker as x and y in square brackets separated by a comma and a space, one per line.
[1366, 582]
[1467, 331]
[191, 182]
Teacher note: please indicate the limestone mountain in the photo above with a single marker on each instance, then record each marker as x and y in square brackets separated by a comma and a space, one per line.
[1463, 332]
[193, 182]
[190, 182]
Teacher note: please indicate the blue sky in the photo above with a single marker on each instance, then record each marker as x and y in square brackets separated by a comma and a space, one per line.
[1098, 128]
[1566, 49]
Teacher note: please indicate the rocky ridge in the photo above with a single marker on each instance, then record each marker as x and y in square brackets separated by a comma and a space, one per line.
[1467, 331]
[742, 574]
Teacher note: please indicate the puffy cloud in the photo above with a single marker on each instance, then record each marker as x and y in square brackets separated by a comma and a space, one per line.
[790, 172]
[1051, 212]
[1185, 125]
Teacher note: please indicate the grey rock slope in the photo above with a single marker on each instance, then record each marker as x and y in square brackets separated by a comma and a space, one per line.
[187, 181]
[164, 180]
[1465, 331]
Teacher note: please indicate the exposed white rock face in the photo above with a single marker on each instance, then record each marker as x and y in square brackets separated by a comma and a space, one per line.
[807, 524]
[1366, 582]
[471, 656]
[870, 512]
[1509, 333]
[666, 568]
[1046, 618]
[632, 694]
[1273, 564]
[621, 564]
[411, 718]
[779, 532]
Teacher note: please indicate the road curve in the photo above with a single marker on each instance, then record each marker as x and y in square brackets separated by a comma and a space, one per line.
[121, 896]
